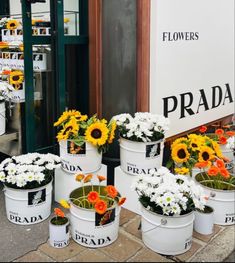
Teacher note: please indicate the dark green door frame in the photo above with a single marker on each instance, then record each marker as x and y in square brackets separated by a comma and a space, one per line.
[57, 40]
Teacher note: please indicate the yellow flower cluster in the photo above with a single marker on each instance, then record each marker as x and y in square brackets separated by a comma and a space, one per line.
[78, 127]
[194, 148]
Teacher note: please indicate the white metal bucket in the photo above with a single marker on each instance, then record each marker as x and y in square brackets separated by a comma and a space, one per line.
[88, 230]
[87, 160]
[140, 157]
[223, 203]
[2, 118]
[165, 234]
[59, 235]
[27, 207]
[204, 222]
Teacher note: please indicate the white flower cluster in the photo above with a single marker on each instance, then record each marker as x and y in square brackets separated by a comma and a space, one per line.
[144, 126]
[27, 168]
[172, 194]
[6, 91]
[230, 143]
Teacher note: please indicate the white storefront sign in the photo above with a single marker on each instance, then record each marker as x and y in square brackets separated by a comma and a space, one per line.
[192, 61]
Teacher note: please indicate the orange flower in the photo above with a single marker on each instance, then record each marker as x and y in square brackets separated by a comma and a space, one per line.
[101, 178]
[224, 172]
[100, 207]
[201, 165]
[59, 212]
[220, 163]
[219, 132]
[222, 140]
[213, 171]
[93, 197]
[230, 133]
[88, 178]
[122, 201]
[203, 129]
[111, 190]
[79, 177]
[6, 72]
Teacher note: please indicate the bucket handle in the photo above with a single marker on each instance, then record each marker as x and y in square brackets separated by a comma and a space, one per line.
[163, 223]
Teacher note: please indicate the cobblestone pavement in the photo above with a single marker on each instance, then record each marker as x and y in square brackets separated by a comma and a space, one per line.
[129, 247]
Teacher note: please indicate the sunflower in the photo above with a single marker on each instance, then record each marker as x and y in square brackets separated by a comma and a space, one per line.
[206, 154]
[97, 134]
[66, 115]
[195, 144]
[179, 140]
[180, 153]
[69, 128]
[217, 149]
[181, 170]
[12, 24]
[16, 77]
[113, 127]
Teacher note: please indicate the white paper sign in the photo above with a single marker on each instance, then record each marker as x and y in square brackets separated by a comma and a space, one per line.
[192, 61]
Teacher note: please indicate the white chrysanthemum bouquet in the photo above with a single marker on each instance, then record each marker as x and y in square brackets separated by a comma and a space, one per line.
[163, 193]
[28, 171]
[5, 91]
[143, 127]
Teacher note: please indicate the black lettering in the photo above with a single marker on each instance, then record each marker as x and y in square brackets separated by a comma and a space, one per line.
[166, 109]
[186, 107]
[92, 242]
[228, 94]
[191, 35]
[175, 36]
[181, 35]
[164, 36]
[215, 103]
[84, 240]
[129, 168]
[187, 35]
[196, 35]
[204, 101]
[101, 241]
[135, 170]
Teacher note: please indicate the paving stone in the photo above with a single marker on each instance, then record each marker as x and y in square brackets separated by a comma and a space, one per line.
[61, 254]
[194, 248]
[207, 238]
[219, 248]
[122, 249]
[147, 255]
[125, 216]
[91, 255]
[34, 256]
[132, 227]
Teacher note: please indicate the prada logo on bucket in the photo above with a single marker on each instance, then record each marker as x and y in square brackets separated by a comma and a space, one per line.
[153, 150]
[69, 167]
[107, 218]
[138, 170]
[73, 148]
[230, 218]
[61, 244]
[91, 240]
[24, 220]
[37, 197]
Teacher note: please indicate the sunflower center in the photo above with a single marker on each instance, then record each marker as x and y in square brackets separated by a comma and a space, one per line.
[181, 154]
[194, 145]
[15, 78]
[67, 129]
[205, 156]
[96, 133]
[12, 24]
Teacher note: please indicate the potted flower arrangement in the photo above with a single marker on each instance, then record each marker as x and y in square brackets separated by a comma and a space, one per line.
[83, 140]
[141, 141]
[192, 152]
[6, 92]
[59, 229]
[94, 212]
[167, 203]
[11, 29]
[220, 187]
[28, 186]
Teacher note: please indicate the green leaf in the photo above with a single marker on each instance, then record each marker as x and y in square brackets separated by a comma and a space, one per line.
[169, 164]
